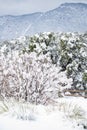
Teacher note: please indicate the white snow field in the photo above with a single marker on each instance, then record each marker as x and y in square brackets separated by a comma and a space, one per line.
[64, 115]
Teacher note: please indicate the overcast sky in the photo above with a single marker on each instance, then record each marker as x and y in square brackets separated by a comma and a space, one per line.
[17, 7]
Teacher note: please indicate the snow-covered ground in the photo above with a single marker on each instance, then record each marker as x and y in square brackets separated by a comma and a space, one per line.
[48, 117]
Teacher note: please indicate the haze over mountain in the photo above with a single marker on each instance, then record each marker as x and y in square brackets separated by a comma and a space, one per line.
[68, 17]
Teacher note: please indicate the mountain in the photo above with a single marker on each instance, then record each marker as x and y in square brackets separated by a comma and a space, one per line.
[68, 17]
[14, 26]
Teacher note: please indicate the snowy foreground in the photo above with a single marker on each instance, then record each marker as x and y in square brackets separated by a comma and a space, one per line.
[62, 116]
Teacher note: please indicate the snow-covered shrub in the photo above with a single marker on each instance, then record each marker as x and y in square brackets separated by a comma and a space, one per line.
[23, 111]
[69, 51]
[73, 111]
[18, 110]
[38, 68]
[30, 77]
[4, 106]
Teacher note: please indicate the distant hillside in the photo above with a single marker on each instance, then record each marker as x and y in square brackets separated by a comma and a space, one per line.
[68, 17]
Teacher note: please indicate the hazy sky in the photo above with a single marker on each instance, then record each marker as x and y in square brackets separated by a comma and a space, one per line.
[17, 7]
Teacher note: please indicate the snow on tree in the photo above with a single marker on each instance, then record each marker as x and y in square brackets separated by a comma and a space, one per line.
[37, 69]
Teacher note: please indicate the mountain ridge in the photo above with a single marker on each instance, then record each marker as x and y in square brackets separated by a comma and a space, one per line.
[68, 17]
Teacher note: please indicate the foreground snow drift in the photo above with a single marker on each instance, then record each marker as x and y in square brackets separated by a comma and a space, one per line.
[53, 122]
[57, 117]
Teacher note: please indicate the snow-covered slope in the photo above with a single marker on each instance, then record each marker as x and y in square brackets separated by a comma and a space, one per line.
[15, 26]
[67, 17]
